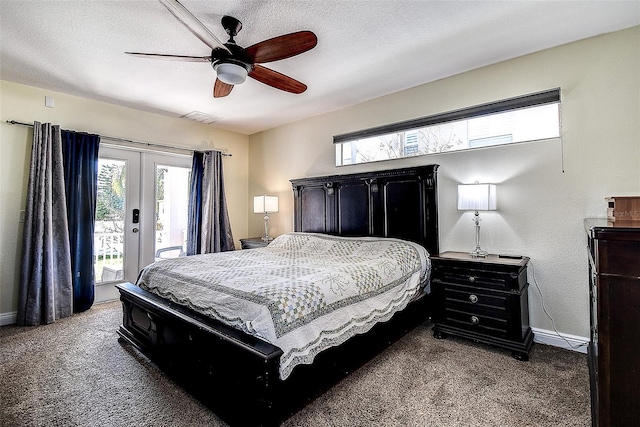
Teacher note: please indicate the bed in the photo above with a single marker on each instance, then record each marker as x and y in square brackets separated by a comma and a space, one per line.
[218, 352]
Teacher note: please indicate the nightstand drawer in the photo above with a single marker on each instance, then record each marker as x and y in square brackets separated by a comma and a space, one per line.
[474, 301]
[478, 278]
[253, 243]
[477, 323]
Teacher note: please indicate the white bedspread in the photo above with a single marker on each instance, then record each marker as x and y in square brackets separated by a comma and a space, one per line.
[303, 293]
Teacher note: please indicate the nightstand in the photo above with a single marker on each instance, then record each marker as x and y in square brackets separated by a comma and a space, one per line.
[483, 299]
[253, 242]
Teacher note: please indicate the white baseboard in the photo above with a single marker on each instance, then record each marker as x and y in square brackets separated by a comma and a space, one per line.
[8, 318]
[570, 342]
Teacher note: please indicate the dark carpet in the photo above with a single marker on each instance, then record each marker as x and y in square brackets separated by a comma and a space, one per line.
[74, 372]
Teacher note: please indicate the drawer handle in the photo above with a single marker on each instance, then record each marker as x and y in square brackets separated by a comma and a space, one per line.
[475, 320]
[472, 279]
[473, 299]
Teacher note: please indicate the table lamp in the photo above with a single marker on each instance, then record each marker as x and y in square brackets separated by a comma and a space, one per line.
[477, 197]
[265, 204]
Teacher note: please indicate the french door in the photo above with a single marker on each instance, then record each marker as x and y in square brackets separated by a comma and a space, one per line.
[141, 214]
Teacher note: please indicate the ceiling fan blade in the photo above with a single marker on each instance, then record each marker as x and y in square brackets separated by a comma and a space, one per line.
[171, 57]
[277, 80]
[282, 47]
[193, 24]
[221, 89]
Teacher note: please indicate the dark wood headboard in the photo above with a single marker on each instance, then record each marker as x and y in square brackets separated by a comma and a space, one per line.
[400, 203]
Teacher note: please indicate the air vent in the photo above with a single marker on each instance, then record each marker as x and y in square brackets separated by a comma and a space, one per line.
[200, 117]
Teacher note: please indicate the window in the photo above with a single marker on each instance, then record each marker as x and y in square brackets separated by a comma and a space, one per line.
[526, 118]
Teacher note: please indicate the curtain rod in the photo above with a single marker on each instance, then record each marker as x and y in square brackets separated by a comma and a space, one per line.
[113, 138]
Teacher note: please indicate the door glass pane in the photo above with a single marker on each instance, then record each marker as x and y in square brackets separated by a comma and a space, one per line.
[110, 215]
[172, 201]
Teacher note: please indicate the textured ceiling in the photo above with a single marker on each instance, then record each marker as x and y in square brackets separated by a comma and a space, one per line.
[365, 49]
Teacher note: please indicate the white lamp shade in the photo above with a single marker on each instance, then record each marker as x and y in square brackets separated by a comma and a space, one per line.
[231, 74]
[265, 204]
[476, 197]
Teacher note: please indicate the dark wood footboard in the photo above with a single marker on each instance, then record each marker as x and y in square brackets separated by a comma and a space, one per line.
[203, 354]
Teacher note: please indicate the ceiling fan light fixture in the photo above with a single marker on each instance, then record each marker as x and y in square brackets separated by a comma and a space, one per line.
[230, 73]
[233, 63]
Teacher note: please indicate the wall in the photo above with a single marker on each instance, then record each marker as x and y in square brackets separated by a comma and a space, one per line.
[545, 189]
[26, 104]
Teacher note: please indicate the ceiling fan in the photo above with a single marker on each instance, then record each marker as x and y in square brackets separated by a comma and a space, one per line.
[233, 63]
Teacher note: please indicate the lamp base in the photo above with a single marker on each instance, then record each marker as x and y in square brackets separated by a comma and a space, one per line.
[478, 253]
[266, 237]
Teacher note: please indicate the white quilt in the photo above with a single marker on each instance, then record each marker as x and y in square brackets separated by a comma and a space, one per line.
[303, 293]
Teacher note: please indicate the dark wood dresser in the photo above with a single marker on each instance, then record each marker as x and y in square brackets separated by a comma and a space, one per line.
[483, 299]
[614, 349]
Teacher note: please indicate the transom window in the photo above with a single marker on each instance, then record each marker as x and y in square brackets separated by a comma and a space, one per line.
[528, 118]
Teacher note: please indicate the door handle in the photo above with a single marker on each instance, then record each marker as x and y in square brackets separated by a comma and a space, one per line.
[136, 216]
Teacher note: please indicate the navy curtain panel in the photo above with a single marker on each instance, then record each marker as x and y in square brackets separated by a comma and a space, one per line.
[80, 155]
[194, 219]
